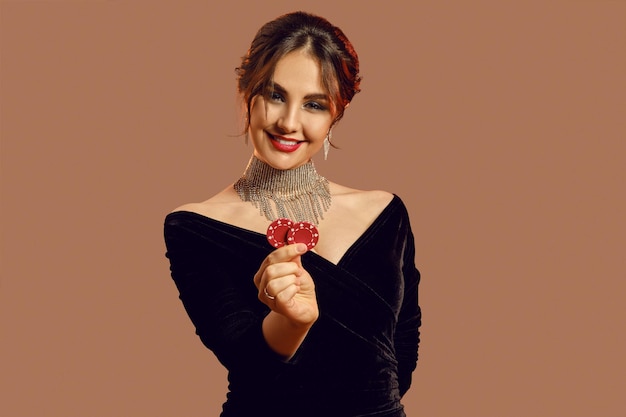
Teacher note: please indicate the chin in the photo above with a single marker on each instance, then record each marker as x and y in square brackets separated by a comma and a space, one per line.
[282, 160]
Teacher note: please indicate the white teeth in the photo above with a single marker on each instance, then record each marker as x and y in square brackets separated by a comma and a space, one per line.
[285, 142]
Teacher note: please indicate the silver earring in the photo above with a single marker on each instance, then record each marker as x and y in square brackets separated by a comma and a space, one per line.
[247, 127]
[327, 144]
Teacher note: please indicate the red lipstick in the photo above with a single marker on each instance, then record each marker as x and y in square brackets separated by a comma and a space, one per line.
[284, 144]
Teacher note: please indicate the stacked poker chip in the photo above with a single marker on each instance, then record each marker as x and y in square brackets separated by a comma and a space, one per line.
[283, 232]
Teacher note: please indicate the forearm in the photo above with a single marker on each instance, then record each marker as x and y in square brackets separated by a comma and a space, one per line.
[283, 336]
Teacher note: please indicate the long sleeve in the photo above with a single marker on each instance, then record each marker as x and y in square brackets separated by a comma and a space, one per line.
[407, 336]
[358, 357]
[215, 284]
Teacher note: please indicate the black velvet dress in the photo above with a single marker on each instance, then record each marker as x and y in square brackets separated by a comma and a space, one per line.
[358, 357]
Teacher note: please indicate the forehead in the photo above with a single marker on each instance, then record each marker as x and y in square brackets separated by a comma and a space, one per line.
[299, 72]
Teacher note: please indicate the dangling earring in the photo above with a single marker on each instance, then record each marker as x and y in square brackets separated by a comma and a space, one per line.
[247, 127]
[327, 144]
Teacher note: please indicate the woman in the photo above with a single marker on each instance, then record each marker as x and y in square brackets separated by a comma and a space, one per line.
[321, 329]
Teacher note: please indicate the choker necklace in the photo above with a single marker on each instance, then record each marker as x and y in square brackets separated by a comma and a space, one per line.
[300, 194]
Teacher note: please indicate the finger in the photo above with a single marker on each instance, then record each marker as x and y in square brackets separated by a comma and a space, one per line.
[285, 297]
[280, 270]
[298, 261]
[276, 286]
[263, 276]
[284, 254]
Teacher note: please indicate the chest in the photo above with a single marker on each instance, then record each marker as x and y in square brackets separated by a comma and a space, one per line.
[339, 230]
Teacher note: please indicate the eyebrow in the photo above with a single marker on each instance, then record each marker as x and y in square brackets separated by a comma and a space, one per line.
[314, 96]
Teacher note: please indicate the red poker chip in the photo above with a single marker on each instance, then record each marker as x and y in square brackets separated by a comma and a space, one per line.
[277, 232]
[303, 232]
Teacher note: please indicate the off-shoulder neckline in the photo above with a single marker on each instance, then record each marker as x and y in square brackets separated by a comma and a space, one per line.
[369, 230]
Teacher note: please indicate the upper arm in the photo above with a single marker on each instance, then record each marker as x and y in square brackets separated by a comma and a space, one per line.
[407, 336]
[216, 288]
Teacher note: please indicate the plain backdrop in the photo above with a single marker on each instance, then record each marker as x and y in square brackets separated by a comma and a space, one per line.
[501, 124]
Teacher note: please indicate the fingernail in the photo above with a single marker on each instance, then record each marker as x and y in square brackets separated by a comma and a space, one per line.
[301, 248]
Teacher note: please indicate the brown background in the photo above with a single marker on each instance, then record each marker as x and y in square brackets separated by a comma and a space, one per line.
[501, 125]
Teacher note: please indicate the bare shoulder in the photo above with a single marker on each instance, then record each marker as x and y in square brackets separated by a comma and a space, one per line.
[227, 207]
[217, 207]
[361, 200]
[352, 211]
[358, 207]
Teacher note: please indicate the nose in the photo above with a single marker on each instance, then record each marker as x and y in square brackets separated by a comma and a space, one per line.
[288, 120]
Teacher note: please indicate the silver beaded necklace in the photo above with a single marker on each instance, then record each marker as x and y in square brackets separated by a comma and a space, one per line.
[300, 194]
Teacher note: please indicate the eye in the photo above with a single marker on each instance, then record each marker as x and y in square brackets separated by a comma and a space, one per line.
[274, 96]
[315, 106]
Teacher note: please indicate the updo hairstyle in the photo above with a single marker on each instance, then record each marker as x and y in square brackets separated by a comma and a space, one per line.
[324, 42]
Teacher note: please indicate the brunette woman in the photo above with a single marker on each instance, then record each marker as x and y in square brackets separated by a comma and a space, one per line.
[305, 290]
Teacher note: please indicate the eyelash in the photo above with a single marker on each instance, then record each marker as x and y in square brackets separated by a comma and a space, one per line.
[311, 104]
[276, 97]
[316, 106]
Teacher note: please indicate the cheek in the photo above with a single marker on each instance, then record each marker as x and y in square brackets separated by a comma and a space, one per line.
[320, 127]
[258, 114]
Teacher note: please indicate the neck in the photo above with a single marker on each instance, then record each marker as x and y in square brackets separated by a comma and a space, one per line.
[300, 194]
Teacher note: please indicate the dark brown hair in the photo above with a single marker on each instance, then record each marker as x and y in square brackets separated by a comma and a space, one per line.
[326, 43]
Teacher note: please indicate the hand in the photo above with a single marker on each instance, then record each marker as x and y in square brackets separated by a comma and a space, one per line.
[282, 276]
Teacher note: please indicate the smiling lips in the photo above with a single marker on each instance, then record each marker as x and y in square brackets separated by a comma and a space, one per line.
[284, 144]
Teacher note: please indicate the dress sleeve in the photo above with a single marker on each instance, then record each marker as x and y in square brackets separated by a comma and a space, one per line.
[215, 283]
[407, 336]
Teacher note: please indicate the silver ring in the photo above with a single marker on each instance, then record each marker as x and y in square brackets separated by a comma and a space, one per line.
[271, 297]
